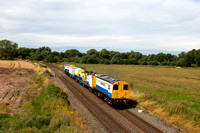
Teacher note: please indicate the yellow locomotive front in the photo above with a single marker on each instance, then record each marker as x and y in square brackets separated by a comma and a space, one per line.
[120, 91]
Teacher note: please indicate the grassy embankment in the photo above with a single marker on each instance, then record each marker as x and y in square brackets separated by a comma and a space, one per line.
[47, 110]
[169, 93]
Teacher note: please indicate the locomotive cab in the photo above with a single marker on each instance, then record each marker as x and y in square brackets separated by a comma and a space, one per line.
[120, 90]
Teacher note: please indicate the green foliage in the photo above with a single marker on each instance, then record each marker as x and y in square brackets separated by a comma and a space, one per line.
[144, 63]
[48, 73]
[4, 121]
[8, 50]
[154, 63]
[160, 57]
[43, 50]
[24, 53]
[39, 121]
[71, 53]
[181, 62]
[51, 92]
[52, 58]
[89, 59]
[165, 63]
[190, 58]
[92, 52]
[197, 57]
[104, 54]
[56, 92]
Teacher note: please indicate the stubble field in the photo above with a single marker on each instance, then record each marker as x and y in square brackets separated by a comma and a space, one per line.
[14, 79]
[30, 102]
[172, 94]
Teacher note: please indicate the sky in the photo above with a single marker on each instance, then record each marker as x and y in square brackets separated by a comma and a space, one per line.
[147, 26]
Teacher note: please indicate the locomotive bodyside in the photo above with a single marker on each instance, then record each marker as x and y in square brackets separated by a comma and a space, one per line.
[114, 89]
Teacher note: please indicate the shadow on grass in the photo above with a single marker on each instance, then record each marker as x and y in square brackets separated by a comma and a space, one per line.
[130, 104]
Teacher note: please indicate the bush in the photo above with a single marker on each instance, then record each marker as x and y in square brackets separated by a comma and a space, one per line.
[54, 91]
[181, 62]
[39, 121]
[143, 63]
[165, 63]
[133, 61]
[4, 121]
[155, 63]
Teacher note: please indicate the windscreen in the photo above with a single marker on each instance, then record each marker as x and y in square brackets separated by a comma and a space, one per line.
[115, 87]
[125, 87]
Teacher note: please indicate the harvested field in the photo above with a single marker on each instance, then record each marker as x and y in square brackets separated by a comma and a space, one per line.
[15, 77]
[16, 64]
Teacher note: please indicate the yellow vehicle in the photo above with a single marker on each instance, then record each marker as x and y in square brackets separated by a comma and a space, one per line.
[113, 90]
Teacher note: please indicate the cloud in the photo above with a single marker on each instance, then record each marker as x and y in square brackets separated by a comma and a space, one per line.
[121, 43]
[135, 24]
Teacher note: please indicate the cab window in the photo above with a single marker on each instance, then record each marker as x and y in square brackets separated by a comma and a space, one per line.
[125, 87]
[115, 87]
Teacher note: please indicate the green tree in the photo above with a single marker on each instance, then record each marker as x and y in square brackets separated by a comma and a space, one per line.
[113, 53]
[114, 60]
[151, 57]
[43, 50]
[55, 53]
[24, 52]
[138, 56]
[92, 52]
[169, 57]
[89, 59]
[8, 49]
[155, 63]
[181, 62]
[197, 57]
[190, 58]
[72, 53]
[52, 58]
[38, 57]
[181, 55]
[160, 57]
[104, 54]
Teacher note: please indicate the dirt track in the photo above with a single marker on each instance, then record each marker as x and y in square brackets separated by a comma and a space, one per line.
[14, 79]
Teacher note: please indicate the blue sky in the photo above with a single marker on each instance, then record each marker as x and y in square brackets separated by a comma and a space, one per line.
[147, 26]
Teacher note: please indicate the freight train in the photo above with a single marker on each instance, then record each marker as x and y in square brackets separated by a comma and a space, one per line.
[111, 90]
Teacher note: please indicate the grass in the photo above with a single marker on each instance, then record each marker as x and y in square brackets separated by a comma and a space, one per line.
[167, 92]
[48, 110]
[3, 108]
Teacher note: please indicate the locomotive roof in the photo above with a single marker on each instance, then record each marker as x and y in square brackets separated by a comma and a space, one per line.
[107, 78]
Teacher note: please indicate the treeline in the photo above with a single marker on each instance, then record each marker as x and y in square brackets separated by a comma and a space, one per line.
[9, 50]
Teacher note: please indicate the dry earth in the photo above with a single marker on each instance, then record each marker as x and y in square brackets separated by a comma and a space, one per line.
[15, 77]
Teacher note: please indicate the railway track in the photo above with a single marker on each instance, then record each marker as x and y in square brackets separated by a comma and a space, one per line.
[119, 121]
[139, 122]
[98, 112]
